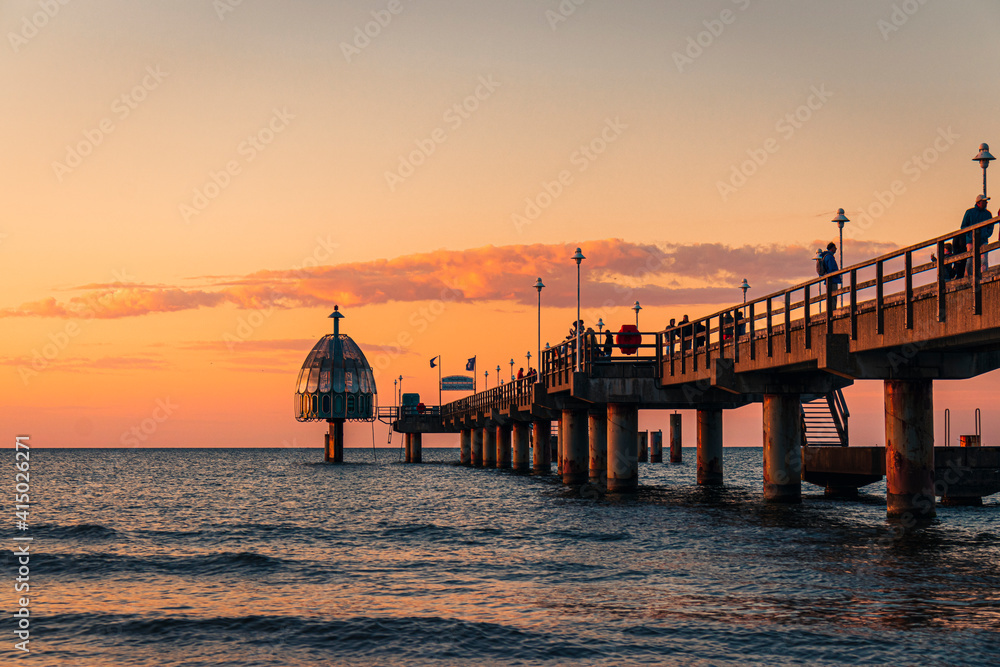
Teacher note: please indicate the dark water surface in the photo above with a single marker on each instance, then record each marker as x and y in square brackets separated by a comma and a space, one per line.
[267, 557]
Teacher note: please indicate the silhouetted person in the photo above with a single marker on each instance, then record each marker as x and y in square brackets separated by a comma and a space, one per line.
[609, 343]
[964, 242]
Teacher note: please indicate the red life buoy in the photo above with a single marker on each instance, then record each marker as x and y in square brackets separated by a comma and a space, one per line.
[628, 339]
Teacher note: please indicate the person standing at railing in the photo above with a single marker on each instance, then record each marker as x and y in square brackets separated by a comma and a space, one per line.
[609, 344]
[974, 216]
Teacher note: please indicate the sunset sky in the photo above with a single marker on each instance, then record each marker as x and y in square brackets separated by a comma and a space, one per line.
[190, 186]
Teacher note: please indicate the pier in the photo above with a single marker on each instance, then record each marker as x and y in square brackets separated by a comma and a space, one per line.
[896, 318]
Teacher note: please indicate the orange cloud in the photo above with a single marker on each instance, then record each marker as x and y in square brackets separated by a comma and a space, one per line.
[614, 271]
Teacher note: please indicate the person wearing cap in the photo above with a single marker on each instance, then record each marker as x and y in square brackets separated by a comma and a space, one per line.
[974, 216]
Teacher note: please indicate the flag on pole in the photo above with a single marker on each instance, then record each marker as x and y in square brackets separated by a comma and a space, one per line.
[433, 365]
[471, 364]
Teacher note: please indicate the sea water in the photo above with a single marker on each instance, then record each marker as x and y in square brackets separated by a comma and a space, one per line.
[252, 557]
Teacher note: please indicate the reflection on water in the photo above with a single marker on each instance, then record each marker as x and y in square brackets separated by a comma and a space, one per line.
[264, 557]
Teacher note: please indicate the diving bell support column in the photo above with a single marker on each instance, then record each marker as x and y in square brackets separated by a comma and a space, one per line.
[909, 447]
[334, 441]
[710, 446]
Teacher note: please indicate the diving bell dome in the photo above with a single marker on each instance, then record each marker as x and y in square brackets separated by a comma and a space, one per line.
[336, 381]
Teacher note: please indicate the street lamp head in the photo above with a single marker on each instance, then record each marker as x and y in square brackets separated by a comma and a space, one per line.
[539, 285]
[819, 254]
[984, 157]
[745, 286]
[841, 218]
[578, 256]
[600, 324]
[636, 307]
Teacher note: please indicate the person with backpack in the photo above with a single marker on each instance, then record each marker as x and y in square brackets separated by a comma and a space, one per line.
[826, 263]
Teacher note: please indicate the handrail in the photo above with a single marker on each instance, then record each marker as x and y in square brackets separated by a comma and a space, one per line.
[713, 333]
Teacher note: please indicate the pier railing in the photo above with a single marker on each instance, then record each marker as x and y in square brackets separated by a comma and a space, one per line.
[559, 362]
[895, 276]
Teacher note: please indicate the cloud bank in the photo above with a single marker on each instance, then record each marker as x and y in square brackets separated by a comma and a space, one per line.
[615, 270]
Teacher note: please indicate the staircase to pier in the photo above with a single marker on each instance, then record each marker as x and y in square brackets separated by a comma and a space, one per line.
[825, 419]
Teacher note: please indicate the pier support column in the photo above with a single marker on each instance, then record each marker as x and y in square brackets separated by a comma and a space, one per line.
[783, 448]
[521, 461]
[334, 442]
[909, 447]
[675, 438]
[656, 447]
[416, 448]
[541, 462]
[490, 446]
[576, 447]
[560, 438]
[503, 445]
[598, 430]
[408, 447]
[623, 448]
[465, 447]
[643, 446]
[477, 447]
[710, 446]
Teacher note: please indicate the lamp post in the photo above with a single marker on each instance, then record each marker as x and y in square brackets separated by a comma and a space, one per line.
[394, 394]
[400, 389]
[983, 158]
[840, 220]
[636, 308]
[486, 378]
[512, 368]
[499, 379]
[745, 286]
[578, 256]
[528, 357]
[538, 343]
[600, 325]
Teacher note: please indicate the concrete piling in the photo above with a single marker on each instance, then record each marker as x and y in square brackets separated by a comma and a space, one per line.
[477, 447]
[909, 447]
[503, 446]
[541, 461]
[623, 448]
[416, 448]
[576, 447]
[465, 447]
[675, 438]
[710, 446]
[490, 446]
[643, 446]
[782, 448]
[656, 447]
[521, 462]
[598, 430]
[560, 437]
